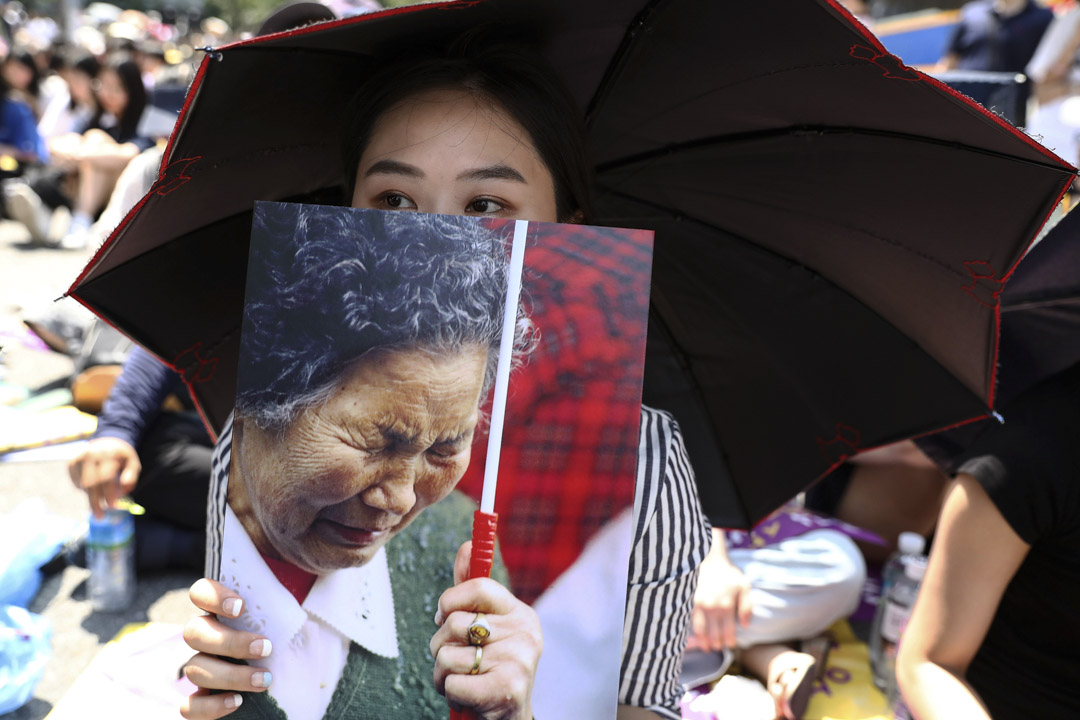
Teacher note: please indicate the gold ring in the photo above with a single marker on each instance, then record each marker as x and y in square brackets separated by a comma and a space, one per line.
[480, 630]
[476, 663]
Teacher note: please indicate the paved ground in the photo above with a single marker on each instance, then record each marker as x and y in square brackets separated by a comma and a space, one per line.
[30, 276]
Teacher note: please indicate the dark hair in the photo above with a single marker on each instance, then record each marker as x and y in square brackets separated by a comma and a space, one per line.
[76, 60]
[131, 78]
[514, 77]
[57, 59]
[33, 88]
[328, 285]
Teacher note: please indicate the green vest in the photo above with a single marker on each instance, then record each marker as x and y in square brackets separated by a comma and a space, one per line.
[372, 687]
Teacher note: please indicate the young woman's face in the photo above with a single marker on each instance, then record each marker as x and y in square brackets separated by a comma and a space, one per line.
[16, 74]
[111, 93]
[450, 152]
[80, 86]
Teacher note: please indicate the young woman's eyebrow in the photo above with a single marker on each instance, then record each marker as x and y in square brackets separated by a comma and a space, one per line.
[393, 167]
[493, 172]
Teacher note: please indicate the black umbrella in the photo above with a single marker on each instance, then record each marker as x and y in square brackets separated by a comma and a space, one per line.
[1040, 312]
[831, 225]
[1040, 330]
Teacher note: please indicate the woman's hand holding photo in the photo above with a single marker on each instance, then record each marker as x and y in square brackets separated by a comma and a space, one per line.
[491, 672]
[214, 641]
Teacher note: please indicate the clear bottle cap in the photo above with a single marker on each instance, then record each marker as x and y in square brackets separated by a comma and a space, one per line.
[911, 543]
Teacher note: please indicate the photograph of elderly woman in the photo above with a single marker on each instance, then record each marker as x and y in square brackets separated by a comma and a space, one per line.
[368, 353]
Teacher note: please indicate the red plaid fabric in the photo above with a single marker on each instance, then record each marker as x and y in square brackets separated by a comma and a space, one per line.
[571, 437]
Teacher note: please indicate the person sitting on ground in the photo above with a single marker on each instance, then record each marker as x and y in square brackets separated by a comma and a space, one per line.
[994, 632]
[73, 110]
[97, 157]
[84, 168]
[888, 490]
[67, 115]
[19, 138]
[766, 591]
[161, 458]
[21, 148]
[21, 74]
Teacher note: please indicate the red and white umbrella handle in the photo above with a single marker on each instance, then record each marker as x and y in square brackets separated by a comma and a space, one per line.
[483, 553]
[483, 543]
[485, 519]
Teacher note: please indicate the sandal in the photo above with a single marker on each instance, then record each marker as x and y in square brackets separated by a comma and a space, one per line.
[818, 648]
[792, 686]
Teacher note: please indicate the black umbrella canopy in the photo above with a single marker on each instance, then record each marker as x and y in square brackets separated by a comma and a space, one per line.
[832, 227]
[1040, 312]
[1040, 331]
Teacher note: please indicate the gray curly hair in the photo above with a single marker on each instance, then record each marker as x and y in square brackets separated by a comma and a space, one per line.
[329, 285]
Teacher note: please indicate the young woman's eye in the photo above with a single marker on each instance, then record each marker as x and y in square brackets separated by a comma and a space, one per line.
[396, 201]
[484, 206]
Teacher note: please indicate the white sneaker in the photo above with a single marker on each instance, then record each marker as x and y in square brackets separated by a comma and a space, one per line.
[80, 233]
[78, 239]
[24, 205]
[59, 223]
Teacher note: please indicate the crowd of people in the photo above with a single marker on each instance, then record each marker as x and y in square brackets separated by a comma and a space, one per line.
[77, 107]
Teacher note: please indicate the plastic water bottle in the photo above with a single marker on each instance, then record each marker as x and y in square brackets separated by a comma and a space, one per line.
[909, 545]
[898, 605]
[110, 555]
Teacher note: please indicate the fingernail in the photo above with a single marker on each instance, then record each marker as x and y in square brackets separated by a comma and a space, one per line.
[232, 606]
[439, 617]
[261, 679]
[233, 701]
[260, 648]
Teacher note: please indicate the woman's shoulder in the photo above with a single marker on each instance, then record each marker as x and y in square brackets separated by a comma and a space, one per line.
[11, 107]
[1029, 464]
[664, 469]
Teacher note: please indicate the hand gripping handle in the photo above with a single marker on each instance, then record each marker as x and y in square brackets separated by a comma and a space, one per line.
[483, 553]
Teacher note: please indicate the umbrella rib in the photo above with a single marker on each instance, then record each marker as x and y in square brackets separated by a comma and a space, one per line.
[1035, 304]
[711, 226]
[663, 310]
[755, 135]
[618, 61]
[893, 243]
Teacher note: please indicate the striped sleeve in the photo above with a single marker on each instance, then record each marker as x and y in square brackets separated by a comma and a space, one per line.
[216, 499]
[671, 539]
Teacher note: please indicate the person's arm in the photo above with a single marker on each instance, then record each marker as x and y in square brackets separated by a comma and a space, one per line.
[976, 553]
[136, 397]
[947, 62]
[953, 48]
[24, 142]
[108, 467]
[671, 541]
[722, 600]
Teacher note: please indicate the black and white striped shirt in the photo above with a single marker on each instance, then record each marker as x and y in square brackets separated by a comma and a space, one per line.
[671, 538]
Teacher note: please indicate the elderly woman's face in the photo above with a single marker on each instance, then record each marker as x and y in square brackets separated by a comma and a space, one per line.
[449, 152]
[394, 437]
